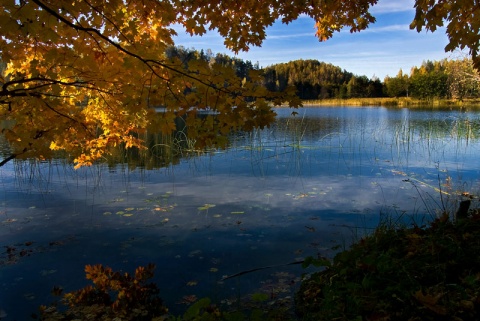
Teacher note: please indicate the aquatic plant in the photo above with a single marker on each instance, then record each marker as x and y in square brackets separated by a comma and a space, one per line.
[113, 296]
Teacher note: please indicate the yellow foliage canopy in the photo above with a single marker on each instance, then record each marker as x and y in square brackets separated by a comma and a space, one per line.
[81, 76]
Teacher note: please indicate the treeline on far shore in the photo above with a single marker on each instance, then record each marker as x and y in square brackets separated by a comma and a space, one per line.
[445, 82]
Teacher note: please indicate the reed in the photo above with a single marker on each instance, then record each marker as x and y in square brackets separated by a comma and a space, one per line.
[472, 103]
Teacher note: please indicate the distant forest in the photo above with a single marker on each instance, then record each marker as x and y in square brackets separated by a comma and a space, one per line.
[313, 79]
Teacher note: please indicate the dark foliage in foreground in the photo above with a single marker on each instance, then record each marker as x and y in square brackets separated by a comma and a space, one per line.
[113, 296]
[413, 273]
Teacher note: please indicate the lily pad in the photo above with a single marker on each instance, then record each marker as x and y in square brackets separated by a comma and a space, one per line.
[206, 207]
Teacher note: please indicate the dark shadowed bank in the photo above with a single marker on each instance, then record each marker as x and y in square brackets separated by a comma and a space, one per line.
[415, 273]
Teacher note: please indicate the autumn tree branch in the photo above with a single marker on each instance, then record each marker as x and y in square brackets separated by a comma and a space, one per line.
[148, 62]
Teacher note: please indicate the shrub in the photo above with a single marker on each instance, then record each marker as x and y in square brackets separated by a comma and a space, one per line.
[113, 296]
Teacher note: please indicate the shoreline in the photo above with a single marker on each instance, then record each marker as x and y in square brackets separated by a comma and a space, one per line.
[397, 102]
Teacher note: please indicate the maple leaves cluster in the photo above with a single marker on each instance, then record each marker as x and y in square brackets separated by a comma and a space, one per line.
[461, 19]
[83, 76]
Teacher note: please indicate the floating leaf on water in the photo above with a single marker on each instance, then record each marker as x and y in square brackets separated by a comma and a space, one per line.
[299, 196]
[120, 213]
[47, 272]
[128, 214]
[268, 195]
[206, 207]
[217, 215]
[129, 209]
[194, 253]
[213, 270]
[149, 194]
[192, 283]
[189, 299]
[32, 207]
[260, 297]
[107, 213]
[29, 296]
[237, 212]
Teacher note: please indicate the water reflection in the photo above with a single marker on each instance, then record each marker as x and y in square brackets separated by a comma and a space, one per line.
[308, 183]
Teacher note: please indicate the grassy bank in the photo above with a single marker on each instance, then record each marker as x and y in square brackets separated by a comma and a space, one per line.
[415, 273]
[396, 102]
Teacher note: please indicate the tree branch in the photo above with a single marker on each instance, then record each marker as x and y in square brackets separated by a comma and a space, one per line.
[147, 62]
[66, 116]
[6, 160]
[23, 92]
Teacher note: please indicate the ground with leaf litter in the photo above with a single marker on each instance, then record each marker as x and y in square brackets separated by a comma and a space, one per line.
[416, 273]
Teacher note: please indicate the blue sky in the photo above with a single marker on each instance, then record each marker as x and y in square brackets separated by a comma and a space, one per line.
[383, 49]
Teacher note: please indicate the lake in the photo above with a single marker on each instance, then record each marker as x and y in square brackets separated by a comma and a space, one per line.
[308, 185]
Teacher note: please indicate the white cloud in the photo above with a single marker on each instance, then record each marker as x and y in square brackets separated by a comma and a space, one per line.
[295, 35]
[398, 27]
[391, 6]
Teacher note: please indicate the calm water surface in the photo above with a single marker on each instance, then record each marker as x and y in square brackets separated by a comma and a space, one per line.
[308, 183]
